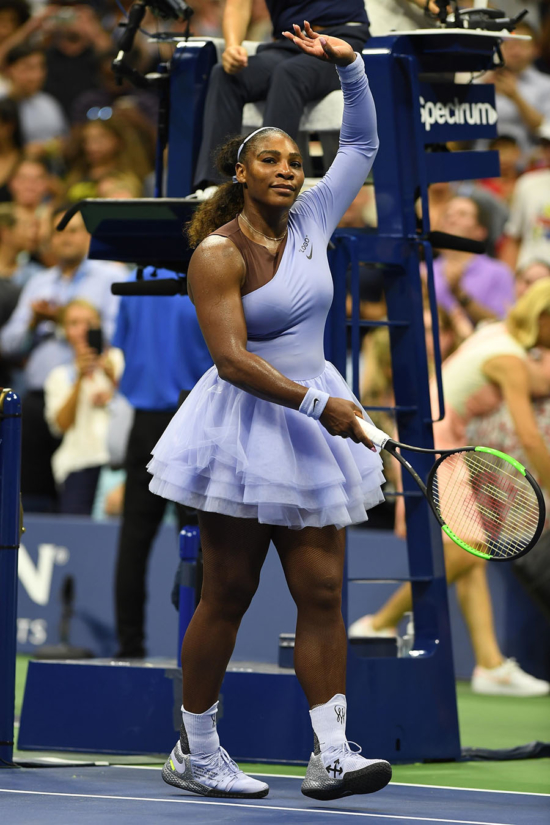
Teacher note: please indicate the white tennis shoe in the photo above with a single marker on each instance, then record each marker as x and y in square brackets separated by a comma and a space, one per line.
[363, 629]
[211, 774]
[508, 679]
[339, 771]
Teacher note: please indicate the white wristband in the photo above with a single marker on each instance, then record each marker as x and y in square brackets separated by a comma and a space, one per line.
[314, 403]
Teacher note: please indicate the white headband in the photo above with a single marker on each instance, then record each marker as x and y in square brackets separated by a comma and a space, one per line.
[247, 138]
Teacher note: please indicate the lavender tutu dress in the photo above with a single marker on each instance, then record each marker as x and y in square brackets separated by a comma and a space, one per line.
[225, 450]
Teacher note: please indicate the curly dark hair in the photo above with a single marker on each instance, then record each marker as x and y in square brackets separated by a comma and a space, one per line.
[228, 201]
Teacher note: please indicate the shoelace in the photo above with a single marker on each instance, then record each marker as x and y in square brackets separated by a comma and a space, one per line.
[347, 750]
[221, 768]
[337, 755]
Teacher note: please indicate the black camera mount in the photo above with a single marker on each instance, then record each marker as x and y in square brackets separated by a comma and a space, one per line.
[492, 20]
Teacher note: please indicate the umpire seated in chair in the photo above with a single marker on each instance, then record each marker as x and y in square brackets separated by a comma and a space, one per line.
[279, 73]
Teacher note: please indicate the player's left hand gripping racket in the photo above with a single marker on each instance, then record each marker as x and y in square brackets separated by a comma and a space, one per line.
[484, 500]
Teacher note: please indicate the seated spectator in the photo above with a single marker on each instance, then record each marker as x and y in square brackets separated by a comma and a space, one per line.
[18, 240]
[475, 286]
[278, 73]
[31, 188]
[72, 58]
[495, 211]
[77, 396]
[104, 147]
[42, 118]
[31, 333]
[527, 232]
[530, 273]
[123, 185]
[510, 168]
[523, 92]
[11, 144]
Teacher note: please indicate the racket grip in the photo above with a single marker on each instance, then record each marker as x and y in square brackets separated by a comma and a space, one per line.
[378, 437]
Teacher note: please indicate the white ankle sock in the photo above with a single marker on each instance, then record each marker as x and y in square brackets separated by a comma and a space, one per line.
[201, 729]
[329, 722]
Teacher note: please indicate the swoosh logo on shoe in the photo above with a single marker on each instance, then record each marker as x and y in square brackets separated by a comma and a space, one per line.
[310, 253]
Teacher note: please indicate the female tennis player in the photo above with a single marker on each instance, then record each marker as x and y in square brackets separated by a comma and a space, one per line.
[268, 446]
[495, 355]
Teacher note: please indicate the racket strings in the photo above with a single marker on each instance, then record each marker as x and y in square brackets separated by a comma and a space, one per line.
[486, 502]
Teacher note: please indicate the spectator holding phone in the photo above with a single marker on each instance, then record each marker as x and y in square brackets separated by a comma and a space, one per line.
[77, 397]
[31, 334]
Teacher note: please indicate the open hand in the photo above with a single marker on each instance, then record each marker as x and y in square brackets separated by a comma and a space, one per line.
[329, 49]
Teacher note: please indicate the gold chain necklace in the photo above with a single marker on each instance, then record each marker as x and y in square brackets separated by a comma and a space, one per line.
[245, 219]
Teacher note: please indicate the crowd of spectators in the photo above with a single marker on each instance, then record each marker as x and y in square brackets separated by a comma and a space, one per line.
[69, 130]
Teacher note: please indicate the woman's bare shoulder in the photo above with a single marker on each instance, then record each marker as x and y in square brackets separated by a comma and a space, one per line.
[216, 250]
[217, 261]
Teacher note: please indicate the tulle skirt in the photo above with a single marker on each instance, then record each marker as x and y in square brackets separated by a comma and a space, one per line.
[226, 451]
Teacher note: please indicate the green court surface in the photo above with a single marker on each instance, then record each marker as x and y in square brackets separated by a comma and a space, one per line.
[485, 721]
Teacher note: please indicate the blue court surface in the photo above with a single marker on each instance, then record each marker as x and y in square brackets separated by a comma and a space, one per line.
[113, 795]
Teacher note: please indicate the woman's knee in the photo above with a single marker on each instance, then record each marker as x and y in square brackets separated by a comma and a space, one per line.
[229, 595]
[324, 595]
[459, 563]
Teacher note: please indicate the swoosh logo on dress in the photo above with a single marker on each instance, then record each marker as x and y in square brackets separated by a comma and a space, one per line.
[310, 253]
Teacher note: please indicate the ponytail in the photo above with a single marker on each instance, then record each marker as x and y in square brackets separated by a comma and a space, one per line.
[228, 201]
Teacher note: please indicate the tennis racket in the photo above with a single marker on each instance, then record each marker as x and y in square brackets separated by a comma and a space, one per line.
[484, 500]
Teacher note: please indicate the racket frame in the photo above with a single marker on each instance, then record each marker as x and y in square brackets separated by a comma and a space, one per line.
[393, 447]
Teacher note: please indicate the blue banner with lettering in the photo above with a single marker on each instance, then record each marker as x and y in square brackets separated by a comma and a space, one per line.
[455, 111]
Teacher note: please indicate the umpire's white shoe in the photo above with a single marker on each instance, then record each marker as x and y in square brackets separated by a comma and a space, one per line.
[340, 771]
[211, 774]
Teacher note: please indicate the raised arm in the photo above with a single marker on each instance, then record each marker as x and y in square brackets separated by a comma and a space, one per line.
[215, 278]
[328, 200]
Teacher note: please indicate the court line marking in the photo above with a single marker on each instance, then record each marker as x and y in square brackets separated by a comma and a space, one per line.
[253, 807]
[400, 784]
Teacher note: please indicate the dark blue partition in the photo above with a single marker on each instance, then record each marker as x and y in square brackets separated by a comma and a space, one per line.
[10, 512]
